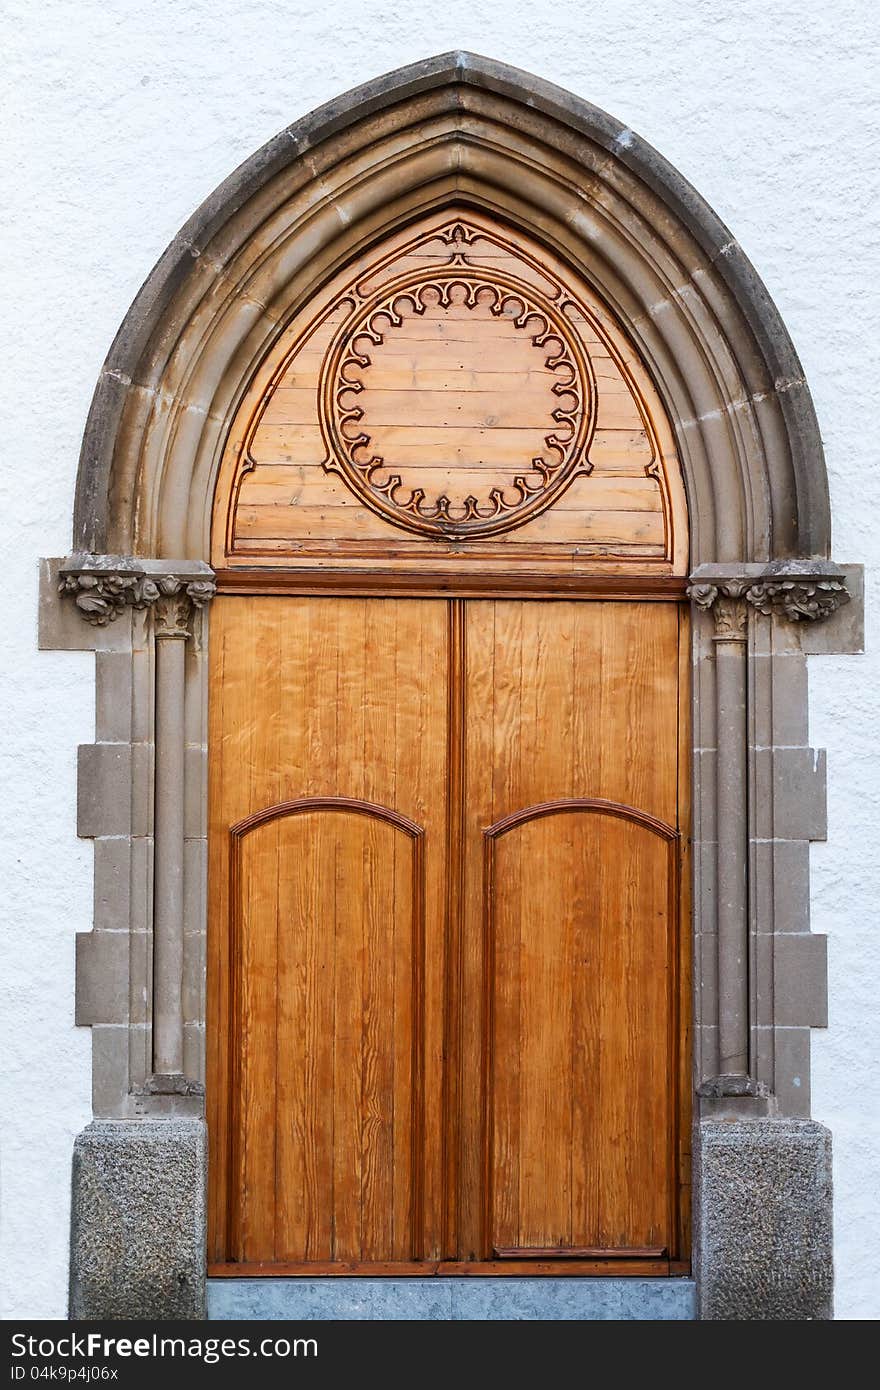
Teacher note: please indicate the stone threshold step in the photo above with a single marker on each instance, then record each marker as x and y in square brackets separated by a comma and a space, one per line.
[449, 1299]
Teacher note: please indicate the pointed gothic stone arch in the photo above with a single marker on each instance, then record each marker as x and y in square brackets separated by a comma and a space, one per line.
[464, 130]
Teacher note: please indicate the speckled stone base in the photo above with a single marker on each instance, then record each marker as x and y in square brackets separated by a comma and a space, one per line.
[138, 1221]
[454, 1300]
[763, 1220]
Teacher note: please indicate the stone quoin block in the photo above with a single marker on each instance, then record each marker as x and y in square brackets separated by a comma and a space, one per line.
[104, 789]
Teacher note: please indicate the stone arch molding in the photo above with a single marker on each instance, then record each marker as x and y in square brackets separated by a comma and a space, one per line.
[464, 130]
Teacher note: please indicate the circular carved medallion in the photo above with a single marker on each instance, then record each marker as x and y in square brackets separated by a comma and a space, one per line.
[457, 404]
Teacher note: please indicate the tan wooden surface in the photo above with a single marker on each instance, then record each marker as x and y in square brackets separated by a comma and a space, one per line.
[436, 1035]
[575, 949]
[316, 1099]
[491, 351]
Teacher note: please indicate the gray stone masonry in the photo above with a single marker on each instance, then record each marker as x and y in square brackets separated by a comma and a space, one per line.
[138, 1220]
[763, 1246]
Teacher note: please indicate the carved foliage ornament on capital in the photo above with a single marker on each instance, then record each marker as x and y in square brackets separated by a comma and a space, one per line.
[101, 595]
[799, 598]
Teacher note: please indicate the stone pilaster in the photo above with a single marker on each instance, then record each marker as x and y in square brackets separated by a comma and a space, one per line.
[103, 587]
[730, 614]
[172, 614]
[798, 592]
[139, 1173]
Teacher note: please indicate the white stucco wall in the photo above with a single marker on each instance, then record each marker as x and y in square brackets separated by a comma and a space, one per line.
[119, 120]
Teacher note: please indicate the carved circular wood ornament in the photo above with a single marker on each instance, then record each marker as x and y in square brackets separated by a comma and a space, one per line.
[457, 402]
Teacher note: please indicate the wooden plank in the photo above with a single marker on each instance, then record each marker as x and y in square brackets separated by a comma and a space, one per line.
[297, 485]
[558, 1269]
[454, 944]
[631, 561]
[256, 930]
[295, 399]
[257, 966]
[634, 1117]
[546, 1024]
[219, 1032]
[345, 522]
[622, 588]
[406, 397]
[577, 1252]
[300, 1057]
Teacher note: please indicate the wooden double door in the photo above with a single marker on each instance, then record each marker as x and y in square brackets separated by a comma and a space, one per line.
[446, 1029]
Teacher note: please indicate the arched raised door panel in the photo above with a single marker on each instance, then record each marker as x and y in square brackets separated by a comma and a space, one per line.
[582, 990]
[326, 1004]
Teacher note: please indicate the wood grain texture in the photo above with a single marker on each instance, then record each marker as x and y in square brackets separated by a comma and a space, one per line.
[446, 980]
[640, 1266]
[577, 1111]
[463, 583]
[328, 1168]
[569, 1123]
[455, 395]
[327, 913]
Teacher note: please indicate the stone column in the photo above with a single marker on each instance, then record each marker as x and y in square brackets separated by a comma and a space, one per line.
[176, 598]
[731, 814]
[171, 618]
[103, 587]
[728, 607]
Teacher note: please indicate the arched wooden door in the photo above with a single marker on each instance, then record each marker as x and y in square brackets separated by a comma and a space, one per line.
[449, 781]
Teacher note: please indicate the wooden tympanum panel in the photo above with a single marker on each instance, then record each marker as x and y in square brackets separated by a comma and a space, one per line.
[455, 397]
[445, 972]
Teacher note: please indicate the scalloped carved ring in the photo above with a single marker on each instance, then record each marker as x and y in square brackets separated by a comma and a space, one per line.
[459, 404]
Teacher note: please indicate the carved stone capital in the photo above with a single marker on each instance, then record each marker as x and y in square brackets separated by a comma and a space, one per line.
[102, 586]
[798, 590]
[726, 602]
[171, 615]
[731, 618]
[176, 598]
